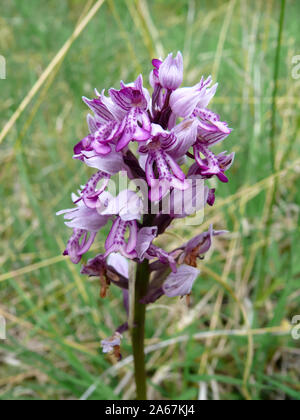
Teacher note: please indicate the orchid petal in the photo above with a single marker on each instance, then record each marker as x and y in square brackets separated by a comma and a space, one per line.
[171, 72]
[111, 164]
[145, 238]
[180, 283]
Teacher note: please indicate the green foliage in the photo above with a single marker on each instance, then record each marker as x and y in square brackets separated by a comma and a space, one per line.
[55, 318]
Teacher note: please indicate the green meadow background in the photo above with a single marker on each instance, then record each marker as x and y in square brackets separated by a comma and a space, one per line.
[235, 341]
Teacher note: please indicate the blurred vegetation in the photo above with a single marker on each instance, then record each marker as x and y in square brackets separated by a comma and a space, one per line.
[55, 317]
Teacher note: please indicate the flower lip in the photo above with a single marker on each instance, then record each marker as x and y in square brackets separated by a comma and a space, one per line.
[184, 101]
[181, 282]
[116, 242]
[79, 244]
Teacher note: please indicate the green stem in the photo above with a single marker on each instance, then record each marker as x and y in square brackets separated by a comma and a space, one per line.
[138, 330]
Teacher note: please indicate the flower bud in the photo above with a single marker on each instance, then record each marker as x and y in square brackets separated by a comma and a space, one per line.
[171, 72]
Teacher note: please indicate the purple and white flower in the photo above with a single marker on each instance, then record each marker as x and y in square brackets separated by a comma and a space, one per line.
[210, 129]
[169, 174]
[163, 141]
[133, 100]
[211, 164]
[89, 193]
[198, 246]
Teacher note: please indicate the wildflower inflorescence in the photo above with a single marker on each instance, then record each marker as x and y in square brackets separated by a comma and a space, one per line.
[166, 141]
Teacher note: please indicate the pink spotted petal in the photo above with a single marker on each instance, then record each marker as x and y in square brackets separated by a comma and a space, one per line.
[111, 237]
[149, 169]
